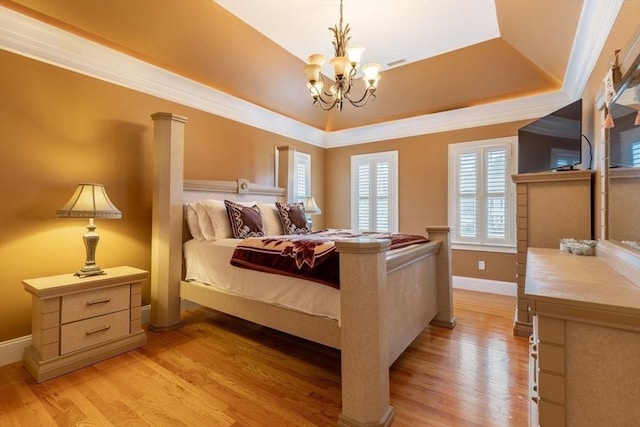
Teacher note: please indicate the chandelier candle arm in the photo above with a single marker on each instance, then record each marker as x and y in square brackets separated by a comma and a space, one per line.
[345, 66]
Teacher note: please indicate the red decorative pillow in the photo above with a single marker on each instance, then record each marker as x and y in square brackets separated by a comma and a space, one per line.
[246, 221]
[293, 218]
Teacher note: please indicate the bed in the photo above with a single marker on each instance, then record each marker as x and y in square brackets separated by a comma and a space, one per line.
[385, 301]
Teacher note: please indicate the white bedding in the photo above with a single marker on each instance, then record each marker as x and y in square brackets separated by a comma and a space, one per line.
[207, 262]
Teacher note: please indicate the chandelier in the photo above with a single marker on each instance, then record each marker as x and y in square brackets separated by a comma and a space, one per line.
[345, 68]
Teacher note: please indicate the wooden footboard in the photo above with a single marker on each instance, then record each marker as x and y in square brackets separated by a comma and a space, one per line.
[385, 301]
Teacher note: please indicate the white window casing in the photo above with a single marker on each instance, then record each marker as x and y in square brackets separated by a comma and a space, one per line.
[374, 191]
[481, 194]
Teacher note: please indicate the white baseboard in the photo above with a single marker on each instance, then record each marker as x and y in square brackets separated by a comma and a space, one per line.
[146, 314]
[484, 285]
[11, 351]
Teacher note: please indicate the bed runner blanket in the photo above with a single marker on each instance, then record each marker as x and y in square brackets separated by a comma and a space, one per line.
[309, 256]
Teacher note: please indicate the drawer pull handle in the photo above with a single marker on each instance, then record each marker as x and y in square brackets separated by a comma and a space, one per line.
[98, 301]
[100, 329]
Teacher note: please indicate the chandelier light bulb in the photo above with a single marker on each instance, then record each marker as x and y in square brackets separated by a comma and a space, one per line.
[354, 53]
[340, 64]
[370, 71]
[316, 59]
[313, 72]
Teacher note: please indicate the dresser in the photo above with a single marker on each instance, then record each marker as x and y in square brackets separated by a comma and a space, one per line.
[584, 365]
[549, 207]
[80, 321]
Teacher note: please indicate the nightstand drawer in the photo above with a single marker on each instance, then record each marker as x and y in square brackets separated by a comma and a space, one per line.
[94, 303]
[96, 330]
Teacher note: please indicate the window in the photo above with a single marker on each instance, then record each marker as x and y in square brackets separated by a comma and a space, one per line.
[302, 176]
[635, 154]
[561, 158]
[374, 191]
[481, 205]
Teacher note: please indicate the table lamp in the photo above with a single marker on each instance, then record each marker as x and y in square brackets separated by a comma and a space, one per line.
[310, 208]
[89, 201]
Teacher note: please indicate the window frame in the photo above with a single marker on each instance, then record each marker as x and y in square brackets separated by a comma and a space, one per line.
[483, 243]
[371, 159]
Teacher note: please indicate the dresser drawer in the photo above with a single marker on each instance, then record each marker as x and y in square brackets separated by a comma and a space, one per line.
[94, 303]
[96, 330]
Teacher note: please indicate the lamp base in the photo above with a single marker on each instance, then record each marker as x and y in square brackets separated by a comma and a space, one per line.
[89, 270]
[90, 267]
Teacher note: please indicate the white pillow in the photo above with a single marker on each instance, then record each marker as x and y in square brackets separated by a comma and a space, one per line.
[213, 218]
[270, 219]
[192, 222]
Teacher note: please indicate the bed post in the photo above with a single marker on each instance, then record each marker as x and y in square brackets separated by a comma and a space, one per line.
[285, 170]
[445, 316]
[166, 232]
[364, 334]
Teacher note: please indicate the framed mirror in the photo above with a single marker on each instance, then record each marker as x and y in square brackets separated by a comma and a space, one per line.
[621, 158]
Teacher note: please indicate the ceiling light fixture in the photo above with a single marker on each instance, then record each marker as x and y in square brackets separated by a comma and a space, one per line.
[345, 68]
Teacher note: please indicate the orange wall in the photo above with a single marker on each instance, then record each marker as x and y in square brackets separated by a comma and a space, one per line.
[422, 187]
[59, 128]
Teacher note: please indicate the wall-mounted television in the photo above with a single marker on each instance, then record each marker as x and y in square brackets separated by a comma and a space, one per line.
[553, 142]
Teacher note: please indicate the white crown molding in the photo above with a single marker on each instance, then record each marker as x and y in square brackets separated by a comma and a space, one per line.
[596, 20]
[481, 115]
[34, 39]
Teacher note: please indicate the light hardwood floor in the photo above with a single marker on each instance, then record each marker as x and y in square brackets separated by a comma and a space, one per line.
[219, 371]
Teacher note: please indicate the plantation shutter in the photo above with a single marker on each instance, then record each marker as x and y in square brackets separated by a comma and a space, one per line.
[468, 195]
[496, 185]
[482, 200]
[364, 197]
[635, 154]
[382, 203]
[302, 177]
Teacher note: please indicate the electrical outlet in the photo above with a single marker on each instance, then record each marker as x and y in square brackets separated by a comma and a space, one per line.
[481, 265]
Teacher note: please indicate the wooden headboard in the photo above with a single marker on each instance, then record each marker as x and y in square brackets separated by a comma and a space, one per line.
[238, 191]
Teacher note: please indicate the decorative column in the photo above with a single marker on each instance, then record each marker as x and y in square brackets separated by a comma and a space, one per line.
[285, 172]
[364, 336]
[166, 232]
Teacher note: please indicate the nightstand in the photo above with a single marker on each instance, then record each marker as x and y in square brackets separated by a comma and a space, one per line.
[80, 321]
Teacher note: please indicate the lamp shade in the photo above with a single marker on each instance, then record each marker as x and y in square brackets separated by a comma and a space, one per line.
[89, 201]
[310, 206]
